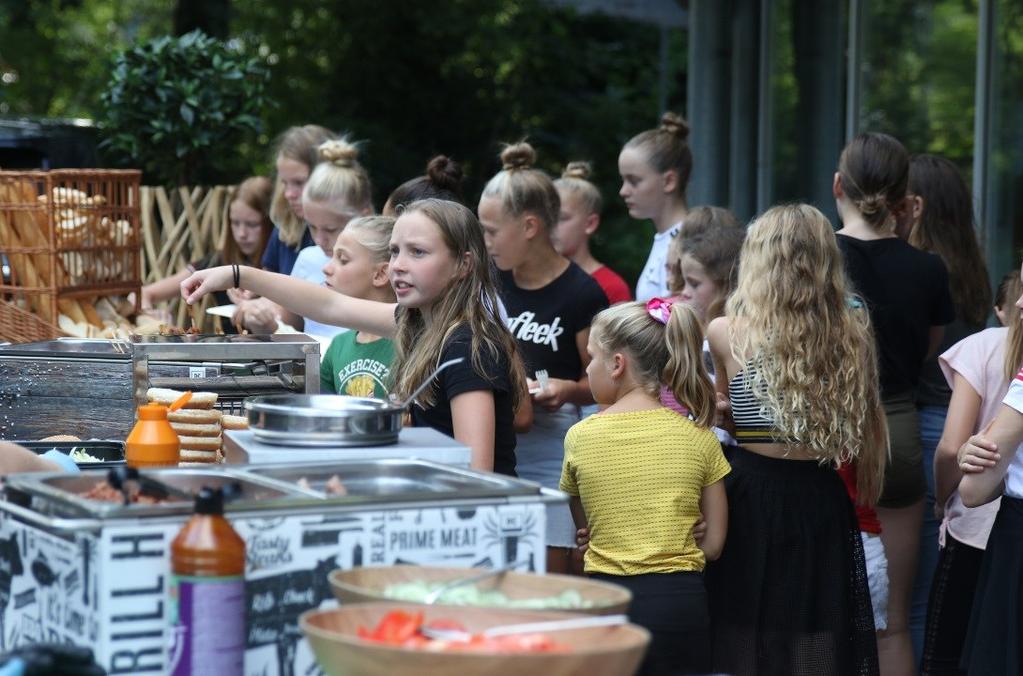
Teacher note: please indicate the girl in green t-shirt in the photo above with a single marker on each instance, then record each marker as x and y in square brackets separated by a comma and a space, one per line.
[358, 363]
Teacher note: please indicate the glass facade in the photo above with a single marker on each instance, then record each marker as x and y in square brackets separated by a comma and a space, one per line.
[943, 76]
[1001, 208]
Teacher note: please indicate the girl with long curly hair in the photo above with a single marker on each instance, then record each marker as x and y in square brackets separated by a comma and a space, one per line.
[795, 356]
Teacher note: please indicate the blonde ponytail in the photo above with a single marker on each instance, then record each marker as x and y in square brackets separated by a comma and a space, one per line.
[685, 374]
[670, 353]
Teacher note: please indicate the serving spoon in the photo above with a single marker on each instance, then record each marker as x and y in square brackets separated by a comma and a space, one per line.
[426, 383]
[526, 628]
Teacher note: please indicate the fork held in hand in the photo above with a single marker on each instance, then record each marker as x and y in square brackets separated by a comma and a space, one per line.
[542, 379]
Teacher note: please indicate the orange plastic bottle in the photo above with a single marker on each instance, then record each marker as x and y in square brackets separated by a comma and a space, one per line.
[208, 592]
[152, 442]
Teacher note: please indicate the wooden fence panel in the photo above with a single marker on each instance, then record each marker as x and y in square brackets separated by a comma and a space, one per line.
[178, 228]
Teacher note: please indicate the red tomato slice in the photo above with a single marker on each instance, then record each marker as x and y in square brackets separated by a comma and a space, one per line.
[397, 626]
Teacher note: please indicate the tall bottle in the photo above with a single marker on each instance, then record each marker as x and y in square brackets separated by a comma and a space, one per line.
[207, 593]
[152, 442]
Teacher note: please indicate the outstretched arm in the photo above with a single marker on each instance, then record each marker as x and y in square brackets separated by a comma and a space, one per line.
[298, 296]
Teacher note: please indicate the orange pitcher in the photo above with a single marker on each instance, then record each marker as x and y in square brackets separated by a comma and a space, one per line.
[152, 442]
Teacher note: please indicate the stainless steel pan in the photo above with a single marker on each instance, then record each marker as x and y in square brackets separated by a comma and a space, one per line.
[329, 420]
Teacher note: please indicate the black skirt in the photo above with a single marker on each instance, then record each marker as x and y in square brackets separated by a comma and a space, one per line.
[789, 593]
[994, 641]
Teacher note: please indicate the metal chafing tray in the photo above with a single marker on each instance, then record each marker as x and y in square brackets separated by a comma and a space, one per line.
[62, 494]
[109, 453]
[275, 488]
[393, 481]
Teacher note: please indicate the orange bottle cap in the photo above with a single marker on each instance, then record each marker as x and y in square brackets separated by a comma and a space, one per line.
[152, 412]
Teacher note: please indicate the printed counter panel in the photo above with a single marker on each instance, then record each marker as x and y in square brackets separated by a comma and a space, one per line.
[109, 589]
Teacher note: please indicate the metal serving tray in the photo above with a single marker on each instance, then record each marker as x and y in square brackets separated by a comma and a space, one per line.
[110, 453]
[323, 420]
[82, 348]
[394, 481]
[61, 494]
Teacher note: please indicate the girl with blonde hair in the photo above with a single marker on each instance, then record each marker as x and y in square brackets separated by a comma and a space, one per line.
[358, 363]
[795, 357]
[295, 156]
[446, 293]
[550, 302]
[578, 220]
[337, 191]
[655, 166]
[641, 475]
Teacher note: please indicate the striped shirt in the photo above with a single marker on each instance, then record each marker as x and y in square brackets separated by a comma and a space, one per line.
[749, 415]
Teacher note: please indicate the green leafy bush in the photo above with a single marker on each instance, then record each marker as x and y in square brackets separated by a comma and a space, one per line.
[178, 107]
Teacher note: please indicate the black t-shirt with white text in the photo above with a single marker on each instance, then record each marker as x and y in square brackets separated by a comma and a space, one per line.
[463, 377]
[545, 321]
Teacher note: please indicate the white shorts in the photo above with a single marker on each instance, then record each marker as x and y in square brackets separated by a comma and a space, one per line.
[877, 577]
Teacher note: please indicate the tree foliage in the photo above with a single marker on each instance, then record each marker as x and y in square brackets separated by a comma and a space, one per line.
[411, 79]
[177, 107]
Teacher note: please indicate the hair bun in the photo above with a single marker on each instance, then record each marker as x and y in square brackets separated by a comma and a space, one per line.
[338, 152]
[674, 124]
[444, 173]
[517, 156]
[870, 205]
[580, 170]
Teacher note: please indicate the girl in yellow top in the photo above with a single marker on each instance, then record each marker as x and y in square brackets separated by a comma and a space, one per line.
[640, 474]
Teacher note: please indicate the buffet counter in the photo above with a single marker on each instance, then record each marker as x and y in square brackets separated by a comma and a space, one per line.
[84, 571]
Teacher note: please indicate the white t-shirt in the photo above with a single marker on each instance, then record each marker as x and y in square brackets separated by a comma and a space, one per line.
[1014, 476]
[978, 358]
[309, 266]
[653, 281]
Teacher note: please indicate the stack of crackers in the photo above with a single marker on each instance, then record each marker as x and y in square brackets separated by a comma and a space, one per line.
[198, 424]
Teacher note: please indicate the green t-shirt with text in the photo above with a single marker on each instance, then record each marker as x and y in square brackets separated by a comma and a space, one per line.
[356, 369]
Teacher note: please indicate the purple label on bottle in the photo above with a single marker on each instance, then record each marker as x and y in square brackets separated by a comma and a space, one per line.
[207, 626]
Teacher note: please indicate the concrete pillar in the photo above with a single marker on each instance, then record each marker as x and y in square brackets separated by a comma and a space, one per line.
[707, 96]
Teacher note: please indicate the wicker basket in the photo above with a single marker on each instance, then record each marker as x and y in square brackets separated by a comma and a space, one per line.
[68, 236]
[19, 326]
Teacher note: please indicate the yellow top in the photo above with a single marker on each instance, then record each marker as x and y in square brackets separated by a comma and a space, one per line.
[639, 476]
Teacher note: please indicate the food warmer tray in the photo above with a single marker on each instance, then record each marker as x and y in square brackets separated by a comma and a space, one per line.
[274, 488]
[110, 453]
[396, 480]
[61, 494]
